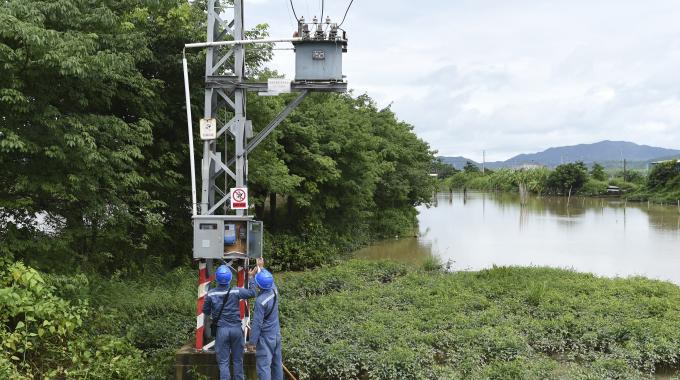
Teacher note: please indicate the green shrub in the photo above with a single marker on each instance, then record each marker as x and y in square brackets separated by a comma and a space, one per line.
[346, 322]
[594, 187]
[44, 336]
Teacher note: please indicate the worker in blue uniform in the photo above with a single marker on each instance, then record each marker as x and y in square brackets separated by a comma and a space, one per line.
[229, 340]
[265, 331]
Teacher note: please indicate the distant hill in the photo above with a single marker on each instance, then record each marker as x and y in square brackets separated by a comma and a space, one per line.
[598, 152]
[607, 153]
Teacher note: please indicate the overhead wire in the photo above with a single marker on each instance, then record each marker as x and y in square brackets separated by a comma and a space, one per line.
[345, 16]
[292, 7]
[322, 4]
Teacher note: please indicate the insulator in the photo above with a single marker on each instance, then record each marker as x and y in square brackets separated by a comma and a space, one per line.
[328, 20]
[319, 35]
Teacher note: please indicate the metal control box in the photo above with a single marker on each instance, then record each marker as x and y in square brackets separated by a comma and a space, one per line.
[208, 238]
[318, 60]
[227, 236]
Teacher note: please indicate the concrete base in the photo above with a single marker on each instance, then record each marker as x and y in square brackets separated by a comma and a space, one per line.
[193, 365]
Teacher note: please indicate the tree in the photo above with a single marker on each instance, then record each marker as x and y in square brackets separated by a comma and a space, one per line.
[662, 173]
[92, 134]
[442, 169]
[470, 168]
[567, 178]
[597, 172]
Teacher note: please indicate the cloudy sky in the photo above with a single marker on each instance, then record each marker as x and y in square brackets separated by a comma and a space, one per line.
[508, 77]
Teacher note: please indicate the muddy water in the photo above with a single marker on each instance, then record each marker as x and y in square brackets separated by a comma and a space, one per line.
[607, 237]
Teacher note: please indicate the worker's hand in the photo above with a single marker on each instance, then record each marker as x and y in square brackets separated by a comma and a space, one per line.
[260, 262]
[253, 271]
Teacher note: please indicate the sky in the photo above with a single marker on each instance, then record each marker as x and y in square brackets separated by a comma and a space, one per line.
[507, 77]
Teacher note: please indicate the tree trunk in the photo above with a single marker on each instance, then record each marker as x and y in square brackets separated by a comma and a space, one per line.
[569, 196]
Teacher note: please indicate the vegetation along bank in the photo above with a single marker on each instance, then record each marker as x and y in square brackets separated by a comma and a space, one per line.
[661, 184]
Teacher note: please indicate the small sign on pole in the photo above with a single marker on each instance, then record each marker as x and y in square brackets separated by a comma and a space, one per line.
[208, 129]
[239, 198]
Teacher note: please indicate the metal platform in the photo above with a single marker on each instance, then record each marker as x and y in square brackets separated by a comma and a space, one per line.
[230, 83]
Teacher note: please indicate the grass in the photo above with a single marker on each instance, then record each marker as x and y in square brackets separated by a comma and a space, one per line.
[383, 320]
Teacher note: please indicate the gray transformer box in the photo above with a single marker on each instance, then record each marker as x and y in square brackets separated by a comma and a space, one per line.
[318, 60]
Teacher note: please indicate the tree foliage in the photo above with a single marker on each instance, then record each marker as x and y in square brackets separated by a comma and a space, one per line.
[94, 151]
[662, 173]
[597, 172]
[470, 167]
[568, 178]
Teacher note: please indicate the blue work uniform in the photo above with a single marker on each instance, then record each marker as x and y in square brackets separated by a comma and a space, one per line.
[265, 334]
[229, 336]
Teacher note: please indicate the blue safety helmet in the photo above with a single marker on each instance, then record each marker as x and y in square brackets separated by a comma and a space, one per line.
[264, 279]
[223, 275]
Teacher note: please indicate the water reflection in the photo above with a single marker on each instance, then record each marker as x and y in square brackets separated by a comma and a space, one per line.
[605, 236]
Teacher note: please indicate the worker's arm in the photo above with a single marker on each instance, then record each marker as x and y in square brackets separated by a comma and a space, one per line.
[250, 292]
[207, 304]
[244, 293]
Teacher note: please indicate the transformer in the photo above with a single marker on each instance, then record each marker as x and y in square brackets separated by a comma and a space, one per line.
[318, 57]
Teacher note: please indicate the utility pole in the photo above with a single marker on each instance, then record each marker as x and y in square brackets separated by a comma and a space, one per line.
[483, 160]
[233, 236]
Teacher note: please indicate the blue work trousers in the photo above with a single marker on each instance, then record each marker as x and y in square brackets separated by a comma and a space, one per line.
[229, 342]
[268, 356]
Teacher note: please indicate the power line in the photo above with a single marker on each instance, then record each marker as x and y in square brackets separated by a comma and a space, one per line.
[293, 8]
[346, 10]
[322, 4]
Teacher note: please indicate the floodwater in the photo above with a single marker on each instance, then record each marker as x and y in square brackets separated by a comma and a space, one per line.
[605, 236]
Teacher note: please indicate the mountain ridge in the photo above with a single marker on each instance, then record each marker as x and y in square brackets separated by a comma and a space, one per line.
[605, 151]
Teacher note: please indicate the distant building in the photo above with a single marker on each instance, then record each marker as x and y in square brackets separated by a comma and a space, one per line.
[653, 164]
[613, 189]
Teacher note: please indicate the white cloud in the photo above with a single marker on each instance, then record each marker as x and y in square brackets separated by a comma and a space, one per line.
[510, 77]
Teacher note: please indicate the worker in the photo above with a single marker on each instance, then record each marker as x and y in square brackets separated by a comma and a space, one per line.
[265, 333]
[229, 338]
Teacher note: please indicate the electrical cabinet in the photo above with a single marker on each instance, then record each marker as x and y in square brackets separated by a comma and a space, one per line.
[208, 238]
[227, 236]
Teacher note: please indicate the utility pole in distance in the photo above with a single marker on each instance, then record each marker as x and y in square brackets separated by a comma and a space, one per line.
[483, 160]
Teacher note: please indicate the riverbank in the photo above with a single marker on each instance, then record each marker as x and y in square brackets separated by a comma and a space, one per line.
[368, 320]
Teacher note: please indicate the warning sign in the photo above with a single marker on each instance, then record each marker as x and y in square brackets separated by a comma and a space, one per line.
[239, 198]
[208, 129]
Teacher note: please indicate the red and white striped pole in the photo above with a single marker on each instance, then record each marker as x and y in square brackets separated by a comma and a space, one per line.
[203, 284]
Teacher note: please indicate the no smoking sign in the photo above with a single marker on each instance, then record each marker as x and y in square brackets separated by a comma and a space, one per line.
[239, 198]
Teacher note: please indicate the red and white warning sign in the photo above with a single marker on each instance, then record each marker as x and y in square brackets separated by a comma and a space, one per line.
[239, 198]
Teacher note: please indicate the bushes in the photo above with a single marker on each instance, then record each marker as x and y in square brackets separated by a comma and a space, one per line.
[44, 336]
[345, 322]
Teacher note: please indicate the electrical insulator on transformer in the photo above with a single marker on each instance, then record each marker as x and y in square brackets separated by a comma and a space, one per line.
[319, 35]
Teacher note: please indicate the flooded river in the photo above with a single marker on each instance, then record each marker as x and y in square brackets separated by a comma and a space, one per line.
[603, 236]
